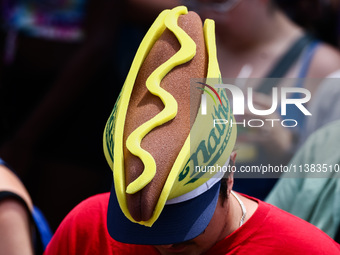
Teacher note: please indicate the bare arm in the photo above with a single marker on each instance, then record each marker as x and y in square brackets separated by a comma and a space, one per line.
[15, 225]
[15, 229]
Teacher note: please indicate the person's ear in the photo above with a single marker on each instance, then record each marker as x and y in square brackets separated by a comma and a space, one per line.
[233, 157]
[230, 183]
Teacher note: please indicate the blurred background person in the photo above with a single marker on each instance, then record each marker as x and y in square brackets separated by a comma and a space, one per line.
[256, 39]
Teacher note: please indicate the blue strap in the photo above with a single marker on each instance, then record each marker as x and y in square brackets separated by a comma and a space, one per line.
[307, 58]
[283, 65]
[2, 162]
[292, 111]
[42, 227]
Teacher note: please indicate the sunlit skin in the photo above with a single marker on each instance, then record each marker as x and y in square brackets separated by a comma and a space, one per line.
[254, 32]
[236, 31]
[225, 220]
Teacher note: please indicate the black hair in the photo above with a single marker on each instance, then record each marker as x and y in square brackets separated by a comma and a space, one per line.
[224, 189]
[224, 183]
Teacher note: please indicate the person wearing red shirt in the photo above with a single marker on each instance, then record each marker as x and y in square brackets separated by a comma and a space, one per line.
[160, 202]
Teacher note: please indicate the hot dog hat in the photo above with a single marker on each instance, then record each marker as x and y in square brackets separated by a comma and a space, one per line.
[158, 136]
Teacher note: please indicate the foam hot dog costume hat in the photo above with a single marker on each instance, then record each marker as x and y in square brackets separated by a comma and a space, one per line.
[152, 146]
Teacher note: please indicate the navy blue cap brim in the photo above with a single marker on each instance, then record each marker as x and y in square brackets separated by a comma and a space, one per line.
[177, 223]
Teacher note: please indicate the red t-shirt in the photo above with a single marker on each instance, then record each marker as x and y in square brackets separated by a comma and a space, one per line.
[269, 231]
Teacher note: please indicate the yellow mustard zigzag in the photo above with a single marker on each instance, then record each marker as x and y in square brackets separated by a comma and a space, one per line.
[153, 34]
[133, 142]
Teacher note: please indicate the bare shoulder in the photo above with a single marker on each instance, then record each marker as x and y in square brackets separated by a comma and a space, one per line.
[10, 182]
[325, 61]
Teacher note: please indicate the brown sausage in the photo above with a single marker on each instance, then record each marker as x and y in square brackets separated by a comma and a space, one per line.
[163, 142]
